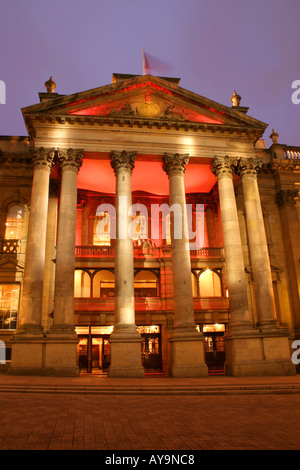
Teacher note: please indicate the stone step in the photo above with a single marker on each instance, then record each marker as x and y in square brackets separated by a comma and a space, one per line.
[154, 390]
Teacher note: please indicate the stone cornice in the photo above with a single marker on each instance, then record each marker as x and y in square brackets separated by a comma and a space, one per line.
[277, 166]
[142, 122]
[15, 159]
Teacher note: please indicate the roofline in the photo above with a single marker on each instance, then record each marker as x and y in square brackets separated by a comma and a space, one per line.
[94, 92]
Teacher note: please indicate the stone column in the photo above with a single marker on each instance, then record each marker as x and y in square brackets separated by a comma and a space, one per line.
[243, 347]
[125, 341]
[223, 168]
[248, 169]
[277, 353]
[248, 352]
[186, 343]
[61, 347]
[27, 349]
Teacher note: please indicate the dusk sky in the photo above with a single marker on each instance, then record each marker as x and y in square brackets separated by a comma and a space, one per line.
[214, 46]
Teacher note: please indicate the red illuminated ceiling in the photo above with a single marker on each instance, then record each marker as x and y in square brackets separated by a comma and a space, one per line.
[97, 175]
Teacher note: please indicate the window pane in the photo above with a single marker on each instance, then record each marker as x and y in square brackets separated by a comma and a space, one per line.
[101, 234]
[14, 225]
[9, 305]
[82, 284]
[210, 284]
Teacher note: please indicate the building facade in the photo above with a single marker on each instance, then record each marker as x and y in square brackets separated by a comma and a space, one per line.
[147, 230]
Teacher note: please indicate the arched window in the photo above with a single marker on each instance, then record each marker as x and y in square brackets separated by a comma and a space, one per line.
[14, 224]
[145, 284]
[102, 226]
[82, 285]
[104, 284]
[209, 284]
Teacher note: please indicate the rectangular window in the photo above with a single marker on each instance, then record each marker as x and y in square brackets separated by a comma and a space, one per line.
[9, 306]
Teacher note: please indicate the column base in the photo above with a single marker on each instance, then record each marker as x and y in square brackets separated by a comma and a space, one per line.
[61, 353]
[27, 355]
[258, 354]
[125, 353]
[187, 353]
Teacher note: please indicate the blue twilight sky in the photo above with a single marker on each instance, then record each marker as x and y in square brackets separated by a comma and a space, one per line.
[214, 46]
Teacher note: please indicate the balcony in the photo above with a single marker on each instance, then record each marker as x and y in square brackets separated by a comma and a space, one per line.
[292, 153]
[146, 251]
[9, 246]
[143, 304]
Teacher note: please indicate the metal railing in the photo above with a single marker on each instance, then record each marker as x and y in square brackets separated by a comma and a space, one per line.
[140, 251]
[292, 153]
[9, 246]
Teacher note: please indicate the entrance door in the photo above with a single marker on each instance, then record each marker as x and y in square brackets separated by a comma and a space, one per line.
[93, 353]
[151, 352]
[214, 352]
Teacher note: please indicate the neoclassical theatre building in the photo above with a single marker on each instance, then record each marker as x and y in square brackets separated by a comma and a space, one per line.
[94, 278]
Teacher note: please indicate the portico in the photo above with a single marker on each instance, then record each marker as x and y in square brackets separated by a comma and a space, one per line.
[100, 144]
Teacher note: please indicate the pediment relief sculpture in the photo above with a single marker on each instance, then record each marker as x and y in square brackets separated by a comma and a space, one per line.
[149, 109]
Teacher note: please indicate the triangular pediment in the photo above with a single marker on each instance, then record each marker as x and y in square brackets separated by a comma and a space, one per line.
[143, 98]
[8, 263]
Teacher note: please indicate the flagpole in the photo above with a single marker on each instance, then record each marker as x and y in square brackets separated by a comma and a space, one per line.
[143, 62]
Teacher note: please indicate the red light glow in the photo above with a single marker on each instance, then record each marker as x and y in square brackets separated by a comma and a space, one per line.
[97, 175]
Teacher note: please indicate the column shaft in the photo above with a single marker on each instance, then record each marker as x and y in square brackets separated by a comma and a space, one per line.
[31, 306]
[63, 317]
[125, 341]
[28, 343]
[259, 256]
[124, 269]
[61, 341]
[235, 269]
[181, 262]
[186, 343]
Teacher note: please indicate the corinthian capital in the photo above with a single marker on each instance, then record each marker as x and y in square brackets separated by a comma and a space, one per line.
[223, 166]
[70, 159]
[122, 161]
[248, 167]
[42, 158]
[175, 164]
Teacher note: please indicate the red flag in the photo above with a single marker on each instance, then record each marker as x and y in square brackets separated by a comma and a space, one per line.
[151, 63]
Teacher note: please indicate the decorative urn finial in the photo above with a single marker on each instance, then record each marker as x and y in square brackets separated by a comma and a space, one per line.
[235, 99]
[50, 85]
[274, 137]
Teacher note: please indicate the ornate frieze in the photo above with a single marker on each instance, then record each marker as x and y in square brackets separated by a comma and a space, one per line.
[286, 197]
[175, 163]
[122, 161]
[70, 158]
[42, 158]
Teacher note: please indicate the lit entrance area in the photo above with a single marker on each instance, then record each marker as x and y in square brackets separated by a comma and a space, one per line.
[214, 347]
[94, 348]
[151, 348]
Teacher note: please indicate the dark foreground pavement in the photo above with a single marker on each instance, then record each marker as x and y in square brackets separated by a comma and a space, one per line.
[39, 413]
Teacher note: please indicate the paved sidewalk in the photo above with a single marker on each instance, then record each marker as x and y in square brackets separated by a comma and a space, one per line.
[116, 422]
